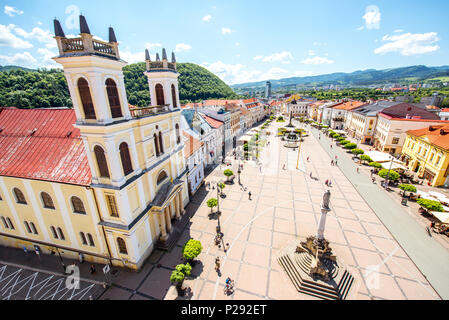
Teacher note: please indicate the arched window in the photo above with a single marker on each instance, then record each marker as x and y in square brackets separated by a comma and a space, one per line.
[47, 201]
[114, 99]
[27, 226]
[122, 246]
[156, 144]
[101, 162]
[161, 144]
[86, 99]
[33, 228]
[91, 240]
[78, 206]
[160, 99]
[53, 231]
[10, 223]
[20, 198]
[178, 136]
[126, 159]
[173, 96]
[83, 238]
[162, 176]
[61, 234]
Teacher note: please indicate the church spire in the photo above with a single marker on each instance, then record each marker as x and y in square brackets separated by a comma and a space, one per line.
[58, 29]
[173, 58]
[84, 28]
[157, 57]
[147, 55]
[112, 37]
[164, 54]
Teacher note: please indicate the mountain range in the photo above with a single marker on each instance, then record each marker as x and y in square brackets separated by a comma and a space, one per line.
[404, 75]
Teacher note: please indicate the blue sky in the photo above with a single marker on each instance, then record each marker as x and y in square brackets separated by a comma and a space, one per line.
[241, 41]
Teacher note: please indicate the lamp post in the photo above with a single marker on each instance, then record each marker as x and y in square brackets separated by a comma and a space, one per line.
[388, 174]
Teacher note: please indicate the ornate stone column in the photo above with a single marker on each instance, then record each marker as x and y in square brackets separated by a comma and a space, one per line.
[162, 225]
[167, 219]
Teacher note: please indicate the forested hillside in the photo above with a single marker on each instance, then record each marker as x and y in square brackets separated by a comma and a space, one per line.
[48, 88]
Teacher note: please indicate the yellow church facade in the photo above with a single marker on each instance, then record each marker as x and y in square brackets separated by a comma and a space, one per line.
[119, 183]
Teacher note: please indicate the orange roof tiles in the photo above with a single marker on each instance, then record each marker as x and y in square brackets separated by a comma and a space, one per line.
[212, 122]
[437, 135]
[349, 105]
[42, 144]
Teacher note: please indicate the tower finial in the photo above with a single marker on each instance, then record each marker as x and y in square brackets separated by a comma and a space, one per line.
[112, 37]
[173, 58]
[164, 54]
[147, 55]
[58, 29]
[84, 28]
[157, 57]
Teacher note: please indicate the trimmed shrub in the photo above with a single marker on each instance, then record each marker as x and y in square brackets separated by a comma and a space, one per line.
[357, 151]
[375, 165]
[366, 158]
[212, 203]
[431, 205]
[192, 249]
[389, 174]
[343, 142]
[407, 188]
[350, 146]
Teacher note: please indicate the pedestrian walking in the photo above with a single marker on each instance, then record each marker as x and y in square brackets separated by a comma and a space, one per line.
[93, 270]
[336, 158]
[249, 195]
[308, 159]
[358, 170]
[217, 264]
[332, 162]
[310, 175]
[327, 183]
[283, 168]
[336, 162]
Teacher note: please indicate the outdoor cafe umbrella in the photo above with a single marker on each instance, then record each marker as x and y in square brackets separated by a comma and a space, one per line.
[442, 216]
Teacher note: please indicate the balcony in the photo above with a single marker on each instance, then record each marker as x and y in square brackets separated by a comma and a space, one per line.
[161, 65]
[138, 113]
[87, 45]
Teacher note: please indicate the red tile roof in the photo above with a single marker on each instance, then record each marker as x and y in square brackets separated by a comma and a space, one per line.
[213, 123]
[349, 105]
[437, 135]
[445, 110]
[48, 154]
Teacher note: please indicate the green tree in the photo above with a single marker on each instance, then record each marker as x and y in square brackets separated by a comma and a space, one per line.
[357, 152]
[191, 249]
[431, 205]
[375, 165]
[391, 175]
[350, 146]
[228, 173]
[178, 275]
[407, 188]
[366, 158]
[212, 203]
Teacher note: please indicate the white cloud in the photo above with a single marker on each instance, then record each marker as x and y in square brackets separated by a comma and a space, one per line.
[409, 44]
[285, 57]
[311, 53]
[207, 18]
[38, 34]
[317, 60]
[398, 31]
[11, 11]
[21, 59]
[239, 73]
[237, 44]
[361, 28]
[8, 39]
[180, 47]
[372, 17]
[47, 61]
[131, 57]
[226, 31]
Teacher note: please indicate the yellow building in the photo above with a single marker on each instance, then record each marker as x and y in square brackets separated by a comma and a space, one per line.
[426, 152]
[101, 180]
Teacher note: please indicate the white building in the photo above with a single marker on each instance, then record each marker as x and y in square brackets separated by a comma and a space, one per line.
[194, 162]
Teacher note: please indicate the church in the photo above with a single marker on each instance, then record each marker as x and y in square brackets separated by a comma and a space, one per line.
[102, 181]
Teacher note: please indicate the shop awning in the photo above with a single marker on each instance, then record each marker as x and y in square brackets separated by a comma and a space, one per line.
[442, 216]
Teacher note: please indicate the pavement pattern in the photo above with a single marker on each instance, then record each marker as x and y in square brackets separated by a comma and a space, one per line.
[284, 209]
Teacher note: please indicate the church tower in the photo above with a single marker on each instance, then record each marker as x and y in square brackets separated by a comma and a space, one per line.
[135, 155]
[163, 80]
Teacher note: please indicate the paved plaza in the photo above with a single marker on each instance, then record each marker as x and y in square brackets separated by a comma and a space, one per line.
[284, 209]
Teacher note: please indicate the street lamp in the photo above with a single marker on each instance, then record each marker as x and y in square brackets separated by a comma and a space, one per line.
[386, 182]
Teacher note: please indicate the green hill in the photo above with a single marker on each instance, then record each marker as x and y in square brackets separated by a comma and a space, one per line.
[48, 88]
